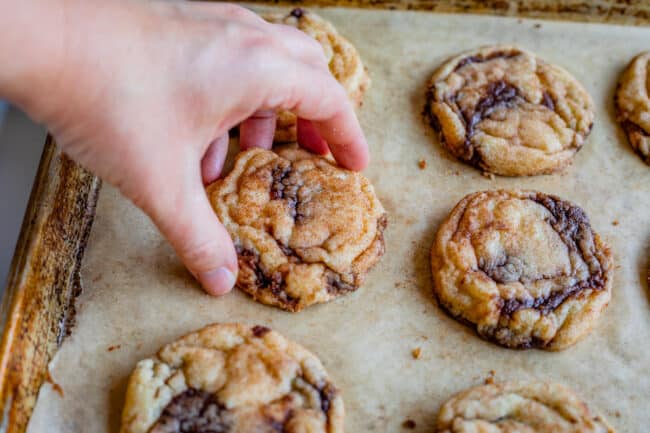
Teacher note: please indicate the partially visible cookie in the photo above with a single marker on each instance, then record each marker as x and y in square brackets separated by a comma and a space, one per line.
[306, 231]
[344, 62]
[507, 112]
[632, 102]
[519, 407]
[232, 378]
[522, 267]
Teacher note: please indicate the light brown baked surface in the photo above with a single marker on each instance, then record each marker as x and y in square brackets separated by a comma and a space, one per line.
[519, 407]
[344, 62]
[507, 112]
[232, 378]
[633, 104]
[306, 231]
[523, 267]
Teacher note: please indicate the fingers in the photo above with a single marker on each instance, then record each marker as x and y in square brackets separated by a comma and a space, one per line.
[346, 141]
[200, 240]
[310, 139]
[317, 96]
[300, 46]
[213, 160]
[258, 130]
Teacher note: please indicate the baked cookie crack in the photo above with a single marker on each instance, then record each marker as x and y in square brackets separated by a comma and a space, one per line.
[306, 231]
[632, 101]
[232, 378]
[519, 407]
[524, 268]
[507, 112]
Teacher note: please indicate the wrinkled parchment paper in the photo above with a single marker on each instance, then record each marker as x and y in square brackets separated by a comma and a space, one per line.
[137, 296]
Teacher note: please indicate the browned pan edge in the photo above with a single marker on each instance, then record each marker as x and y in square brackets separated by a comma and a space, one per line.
[602, 11]
[37, 308]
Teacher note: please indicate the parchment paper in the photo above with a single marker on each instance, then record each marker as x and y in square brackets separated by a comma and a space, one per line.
[138, 297]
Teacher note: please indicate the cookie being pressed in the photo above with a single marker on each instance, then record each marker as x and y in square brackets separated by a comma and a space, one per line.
[232, 378]
[522, 267]
[519, 407]
[343, 59]
[507, 112]
[633, 104]
[306, 231]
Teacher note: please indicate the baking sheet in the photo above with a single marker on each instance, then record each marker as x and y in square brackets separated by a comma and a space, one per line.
[137, 296]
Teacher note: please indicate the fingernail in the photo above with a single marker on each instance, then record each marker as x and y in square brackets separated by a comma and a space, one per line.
[217, 282]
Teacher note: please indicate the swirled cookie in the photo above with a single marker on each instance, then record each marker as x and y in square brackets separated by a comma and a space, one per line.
[519, 407]
[306, 231]
[232, 378]
[633, 104]
[344, 62]
[507, 112]
[523, 267]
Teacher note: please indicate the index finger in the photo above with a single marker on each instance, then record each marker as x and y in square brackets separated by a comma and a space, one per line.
[318, 97]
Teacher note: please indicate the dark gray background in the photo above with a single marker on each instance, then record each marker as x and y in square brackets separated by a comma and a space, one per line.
[21, 143]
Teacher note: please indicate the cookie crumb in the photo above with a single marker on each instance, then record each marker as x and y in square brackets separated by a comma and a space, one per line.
[112, 348]
[416, 353]
[422, 163]
[615, 222]
[409, 424]
[57, 388]
[617, 414]
[488, 175]
[537, 26]
[490, 379]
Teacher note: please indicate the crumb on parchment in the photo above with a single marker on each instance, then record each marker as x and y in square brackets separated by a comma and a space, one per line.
[488, 175]
[422, 163]
[416, 353]
[409, 424]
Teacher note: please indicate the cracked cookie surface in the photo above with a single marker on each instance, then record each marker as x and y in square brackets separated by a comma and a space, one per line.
[306, 231]
[507, 112]
[232, 378]
[632, 102]
[523, 407]
[342, 57]
[522, 267]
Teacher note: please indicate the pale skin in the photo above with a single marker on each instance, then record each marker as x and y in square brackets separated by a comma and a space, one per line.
[143, 94]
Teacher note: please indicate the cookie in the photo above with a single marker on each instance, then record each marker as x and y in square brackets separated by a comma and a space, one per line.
[306, 231]
[632, 102]
[507, 112]
[344, 62]
[525, 407]
[232, 378]
[522, 267]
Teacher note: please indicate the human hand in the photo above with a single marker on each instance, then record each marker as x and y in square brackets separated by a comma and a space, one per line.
[144, 93]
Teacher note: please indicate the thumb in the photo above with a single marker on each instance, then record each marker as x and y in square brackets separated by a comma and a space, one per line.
[200, 240]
